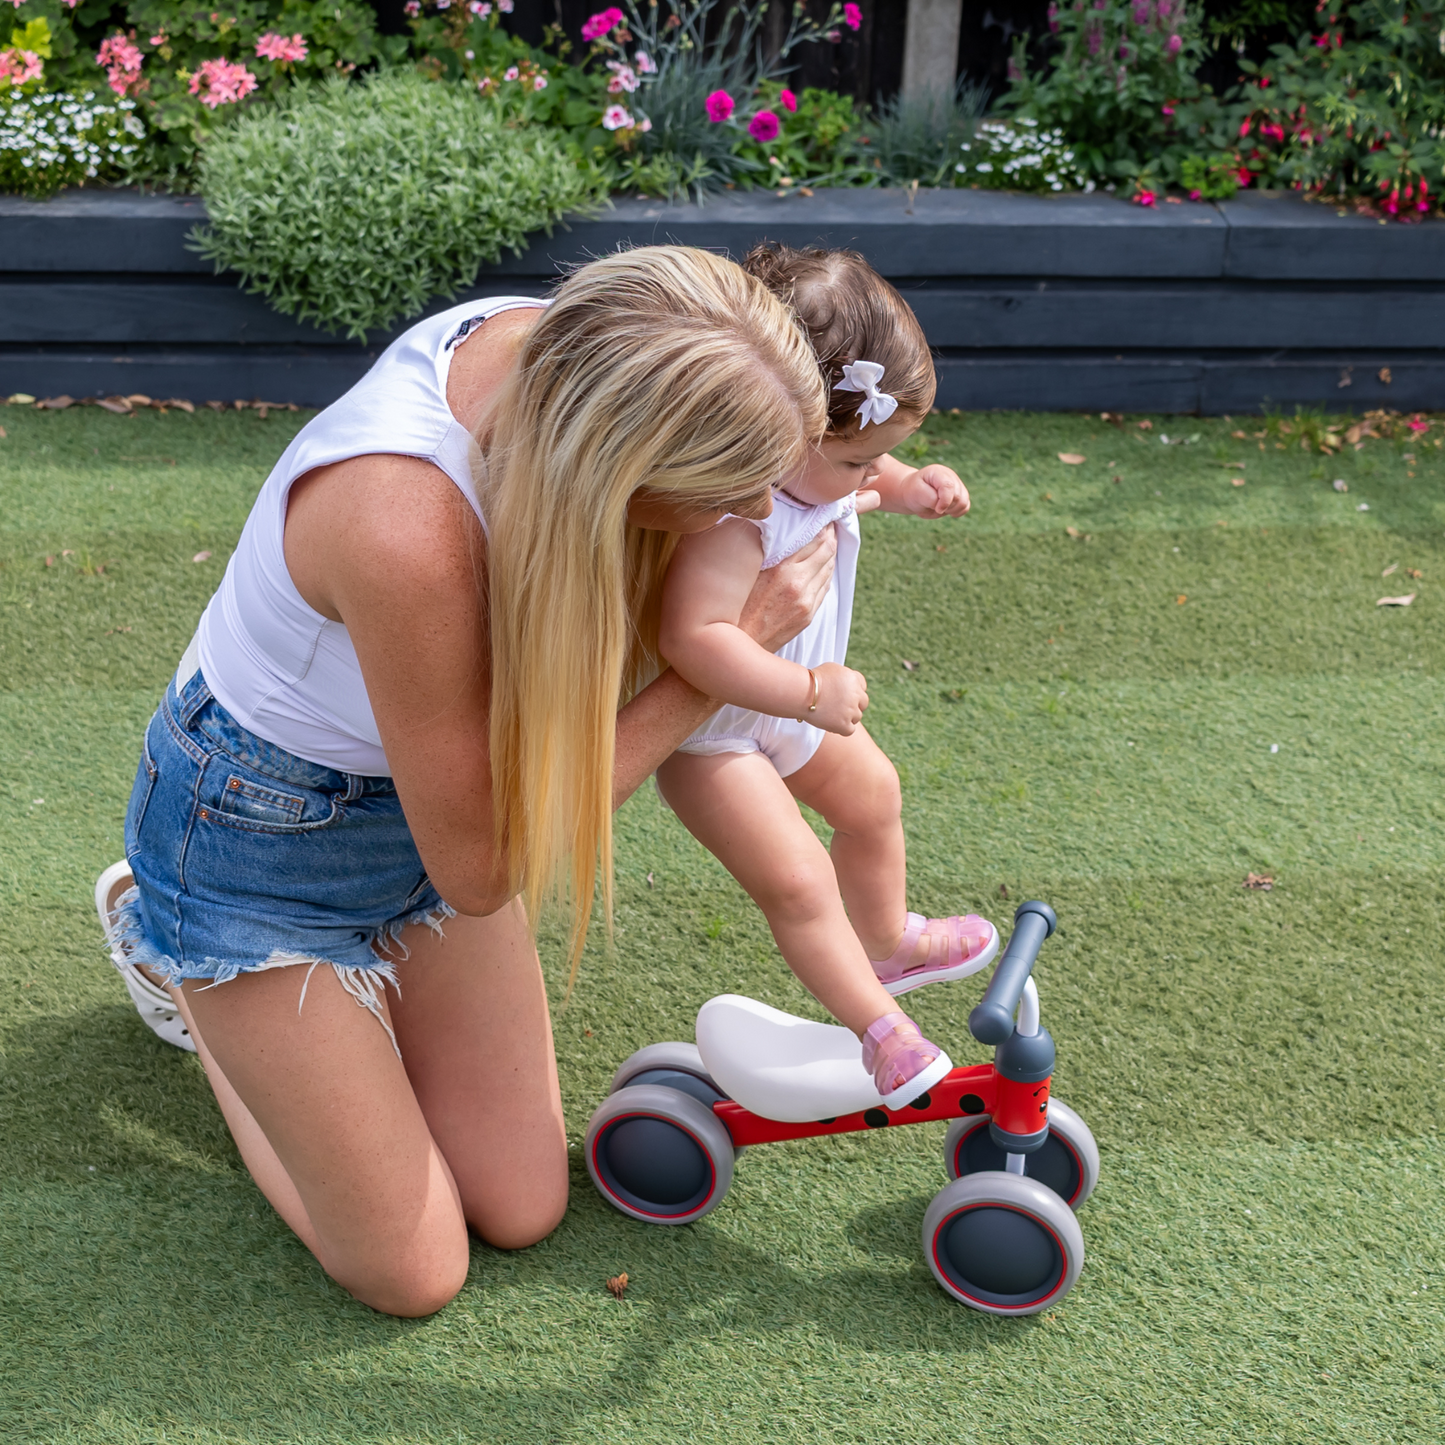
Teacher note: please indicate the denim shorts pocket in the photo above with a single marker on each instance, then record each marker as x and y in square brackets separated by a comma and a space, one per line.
[140, 795]
[244, 799]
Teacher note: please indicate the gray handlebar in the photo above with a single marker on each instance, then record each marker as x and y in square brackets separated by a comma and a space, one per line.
[993, 1020]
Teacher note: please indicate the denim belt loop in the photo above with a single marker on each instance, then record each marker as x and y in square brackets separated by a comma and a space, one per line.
[191, 697]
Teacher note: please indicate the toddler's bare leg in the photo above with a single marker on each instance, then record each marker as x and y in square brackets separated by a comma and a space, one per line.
[851, 782]
[737, 807]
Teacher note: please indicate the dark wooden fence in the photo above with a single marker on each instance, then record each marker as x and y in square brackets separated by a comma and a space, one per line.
[1063, 303]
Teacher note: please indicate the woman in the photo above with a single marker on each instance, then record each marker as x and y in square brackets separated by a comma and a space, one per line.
[399, 721]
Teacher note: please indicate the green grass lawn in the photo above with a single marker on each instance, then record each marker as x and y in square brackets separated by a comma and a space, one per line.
[1125, 722]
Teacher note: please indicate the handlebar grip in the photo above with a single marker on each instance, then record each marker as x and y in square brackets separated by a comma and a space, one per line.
[993, 1020]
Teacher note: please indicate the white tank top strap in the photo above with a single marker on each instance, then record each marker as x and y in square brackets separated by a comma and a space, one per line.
[280, 668]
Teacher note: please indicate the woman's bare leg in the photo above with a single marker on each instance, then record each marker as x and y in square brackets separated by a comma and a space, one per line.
[473, 1027]
[335, 1134]
[737, 807]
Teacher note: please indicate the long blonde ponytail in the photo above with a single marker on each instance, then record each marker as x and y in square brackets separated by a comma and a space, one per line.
[667, 368]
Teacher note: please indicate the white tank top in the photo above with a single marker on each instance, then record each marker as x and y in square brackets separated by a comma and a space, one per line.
[279, 667]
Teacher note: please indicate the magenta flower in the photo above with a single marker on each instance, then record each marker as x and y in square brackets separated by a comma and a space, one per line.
[1166, 110]
[1144, 198]
[615, 117]
[788, 101]
[1174, 44]
[278, 47]
[764, 126]
[1053, 14]
[852, 17]
[596, 26]
[219, 82]
[1096, 42]
[1141, 12]
[719, 106]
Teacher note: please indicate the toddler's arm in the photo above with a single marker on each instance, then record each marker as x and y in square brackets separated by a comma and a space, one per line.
[931, 491]
[707, 584]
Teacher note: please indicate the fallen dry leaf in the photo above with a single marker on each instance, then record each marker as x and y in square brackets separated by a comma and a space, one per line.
[50, 561]
[117, 405]
[649, 881]
[805, 190]
[909, 666]
[1239, 436]
[110, 630]
[201, 557]
[1393, 567]
[20, 398]
[139, 400]
[1073, 459]
[2, 433]
[1414, 572]
[617, 1285]
[1385, 375]
[1146, 425]
[940, 548]
[1236, 481]
[1112, 417]
[1181, 599]
[1073, 532]
[1340, 484]
[216, 405]
[55, 403]
[1260, 882]
[1404, 601]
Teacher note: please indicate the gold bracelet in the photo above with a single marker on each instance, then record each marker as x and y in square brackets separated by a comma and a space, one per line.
[813, 706]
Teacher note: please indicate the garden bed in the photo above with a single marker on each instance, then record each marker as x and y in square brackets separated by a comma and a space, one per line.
[1074, 302]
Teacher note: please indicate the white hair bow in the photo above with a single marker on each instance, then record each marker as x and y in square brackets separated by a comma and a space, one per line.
[864, 376]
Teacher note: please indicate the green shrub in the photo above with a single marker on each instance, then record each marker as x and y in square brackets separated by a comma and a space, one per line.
[353, 205]
[917, 138]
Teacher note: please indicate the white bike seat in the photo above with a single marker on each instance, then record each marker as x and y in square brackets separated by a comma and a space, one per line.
[779, 1066]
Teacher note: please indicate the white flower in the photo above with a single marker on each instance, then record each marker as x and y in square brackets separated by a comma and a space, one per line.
[616, 118]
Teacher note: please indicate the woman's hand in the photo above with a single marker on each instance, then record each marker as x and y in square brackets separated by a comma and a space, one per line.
[785, 597]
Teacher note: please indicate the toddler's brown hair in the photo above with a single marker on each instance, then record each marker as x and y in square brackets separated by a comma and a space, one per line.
[850, 314]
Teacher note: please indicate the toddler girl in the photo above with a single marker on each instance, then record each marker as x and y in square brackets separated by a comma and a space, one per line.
[791, 727]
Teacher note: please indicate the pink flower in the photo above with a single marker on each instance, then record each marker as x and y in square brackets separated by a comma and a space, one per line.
[764, 126]
[1145, 198]
[852, 16]
[159, 39]
[623, 78]
[277, 47]
[122, 61]
[596, 26]
[788, 101]
[511, 73]
[1174, 44]
[644, 125]
[412, 9]
[646, 65]
[219, 82]
[1196, 195]
[1166, 110]
[1053, 14]
[1418, 424]
[1141, 12]
[480, 8]
[1244, 127]
[539, 82]
[719, 106]
[19, 67]
[833, 37]
[615, 117]
[505, 6]
[444, 4]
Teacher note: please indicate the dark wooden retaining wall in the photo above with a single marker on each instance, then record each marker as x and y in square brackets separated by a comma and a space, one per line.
[1056, 303]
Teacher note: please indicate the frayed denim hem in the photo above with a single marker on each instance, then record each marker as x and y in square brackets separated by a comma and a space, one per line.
[366, 983]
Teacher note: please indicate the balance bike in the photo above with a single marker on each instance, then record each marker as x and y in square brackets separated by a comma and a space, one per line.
[1001, 1237]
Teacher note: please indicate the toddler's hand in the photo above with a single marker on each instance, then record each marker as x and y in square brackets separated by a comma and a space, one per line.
[842, 699]
[934, 491]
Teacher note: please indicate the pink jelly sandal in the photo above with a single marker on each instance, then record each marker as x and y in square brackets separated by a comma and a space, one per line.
[972, 945]
[903, 1063]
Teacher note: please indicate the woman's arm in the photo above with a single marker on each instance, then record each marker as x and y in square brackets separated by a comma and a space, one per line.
[389, 546]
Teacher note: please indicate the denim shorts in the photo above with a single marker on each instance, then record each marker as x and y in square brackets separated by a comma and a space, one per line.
[247, 857]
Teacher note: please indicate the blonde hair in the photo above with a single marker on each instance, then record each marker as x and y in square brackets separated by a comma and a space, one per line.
[663, 367]
[851, 314]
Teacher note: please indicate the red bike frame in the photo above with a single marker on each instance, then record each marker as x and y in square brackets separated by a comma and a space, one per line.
[1015, 1108]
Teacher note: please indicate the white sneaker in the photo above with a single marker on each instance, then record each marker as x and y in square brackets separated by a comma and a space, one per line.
[152, 1003]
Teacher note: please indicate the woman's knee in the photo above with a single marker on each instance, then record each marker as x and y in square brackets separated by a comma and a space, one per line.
[519, 1220]
[410, 1286]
